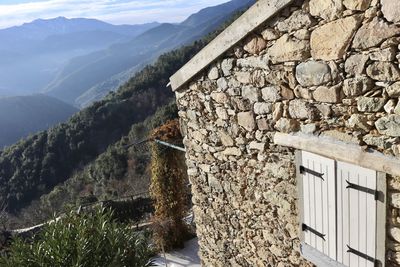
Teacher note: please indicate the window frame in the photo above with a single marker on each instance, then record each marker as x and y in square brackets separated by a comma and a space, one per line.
[313, 255]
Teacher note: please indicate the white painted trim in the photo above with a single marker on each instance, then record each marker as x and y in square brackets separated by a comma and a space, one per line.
[340, 151]
[381, 207]
[318, 258]
[300, 194]
[248, 22]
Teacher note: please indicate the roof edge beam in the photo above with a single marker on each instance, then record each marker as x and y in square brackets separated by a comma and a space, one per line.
[245, 24]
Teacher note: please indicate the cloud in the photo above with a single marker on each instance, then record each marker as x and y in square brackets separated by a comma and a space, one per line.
[113, 11]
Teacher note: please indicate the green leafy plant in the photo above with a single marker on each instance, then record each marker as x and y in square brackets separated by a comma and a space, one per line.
[90, 239]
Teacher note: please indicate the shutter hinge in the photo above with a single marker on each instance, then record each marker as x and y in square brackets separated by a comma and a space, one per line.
[305, 227]
[364, 256]
[312, 172]
[377, 194]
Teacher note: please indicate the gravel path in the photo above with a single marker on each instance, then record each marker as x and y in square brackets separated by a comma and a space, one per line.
[186, 257]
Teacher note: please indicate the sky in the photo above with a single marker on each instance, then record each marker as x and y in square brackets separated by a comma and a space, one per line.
[17, 12]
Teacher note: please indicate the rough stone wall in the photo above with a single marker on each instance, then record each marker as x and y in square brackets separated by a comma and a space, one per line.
[322, 67]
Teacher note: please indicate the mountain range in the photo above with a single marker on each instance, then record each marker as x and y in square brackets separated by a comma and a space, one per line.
[79, 61]
[33, 53]
[88, 153]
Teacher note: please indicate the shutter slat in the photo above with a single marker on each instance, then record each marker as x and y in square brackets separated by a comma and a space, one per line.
[339, 215]
[363, 219]
[371, 207]
[343, 211]
[312, 207]
[306, 203]
[319, 207]
[353, 218]
[331, 188]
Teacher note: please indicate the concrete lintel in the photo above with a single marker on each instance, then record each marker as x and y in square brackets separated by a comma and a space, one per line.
[340, 151]
[245, 24]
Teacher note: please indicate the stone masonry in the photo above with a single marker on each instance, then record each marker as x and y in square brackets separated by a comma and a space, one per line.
[322, 67]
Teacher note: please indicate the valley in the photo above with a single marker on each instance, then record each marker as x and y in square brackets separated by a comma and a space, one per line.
[87, 146]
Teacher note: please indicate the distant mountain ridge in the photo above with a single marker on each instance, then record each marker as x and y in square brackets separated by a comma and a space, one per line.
[214, 12]
[91, 77]
[80, 60]
[41, 28]
[33, 53]
[24, 115]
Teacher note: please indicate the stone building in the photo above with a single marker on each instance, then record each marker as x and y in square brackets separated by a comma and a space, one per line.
[291, 118]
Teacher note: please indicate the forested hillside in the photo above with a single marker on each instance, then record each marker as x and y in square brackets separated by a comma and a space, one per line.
[24, 115]
[34, 166]
[119, 172]
[87, 156]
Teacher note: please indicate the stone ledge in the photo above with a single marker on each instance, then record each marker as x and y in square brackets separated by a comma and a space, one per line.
[340, 151]
[249, 21]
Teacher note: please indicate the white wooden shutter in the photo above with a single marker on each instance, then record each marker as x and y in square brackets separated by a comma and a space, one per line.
[356, 215]
[319, 211]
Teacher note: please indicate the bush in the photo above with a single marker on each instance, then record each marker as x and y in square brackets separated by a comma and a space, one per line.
[90, 239]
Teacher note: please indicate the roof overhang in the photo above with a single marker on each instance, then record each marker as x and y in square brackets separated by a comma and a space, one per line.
[245, 24]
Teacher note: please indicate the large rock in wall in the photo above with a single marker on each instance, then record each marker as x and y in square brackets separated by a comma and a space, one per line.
[324, 67]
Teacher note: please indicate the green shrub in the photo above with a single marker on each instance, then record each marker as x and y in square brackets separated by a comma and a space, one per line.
[90, 239]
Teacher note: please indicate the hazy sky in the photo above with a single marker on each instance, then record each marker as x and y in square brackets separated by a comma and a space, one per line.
[16, 12]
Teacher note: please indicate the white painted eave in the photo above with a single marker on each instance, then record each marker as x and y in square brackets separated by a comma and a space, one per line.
[245, 24]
